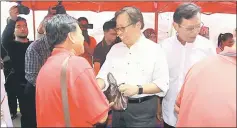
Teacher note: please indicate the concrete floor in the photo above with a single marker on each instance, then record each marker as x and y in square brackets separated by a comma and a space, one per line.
[17, 121]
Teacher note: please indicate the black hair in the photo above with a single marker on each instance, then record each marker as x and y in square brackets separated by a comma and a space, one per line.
[20, 19]
[58, 27]
[82, 18]
[109, 25]
[186, 11]
[85, 32]
[224, 37]
[134, 14]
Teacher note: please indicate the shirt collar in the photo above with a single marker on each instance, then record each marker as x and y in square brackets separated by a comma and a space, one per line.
[138, 42]
[186, 44]
[104, 44]
[57, 51]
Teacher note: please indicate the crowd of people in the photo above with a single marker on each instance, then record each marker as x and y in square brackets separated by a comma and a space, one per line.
[59, 79]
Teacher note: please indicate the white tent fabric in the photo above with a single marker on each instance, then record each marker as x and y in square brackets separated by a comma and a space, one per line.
[217, 23]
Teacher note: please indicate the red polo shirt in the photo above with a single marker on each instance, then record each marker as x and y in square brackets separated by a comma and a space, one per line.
[208, 96]
[87, 103]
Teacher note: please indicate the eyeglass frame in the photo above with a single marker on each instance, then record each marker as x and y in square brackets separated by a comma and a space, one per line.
[192, 28]
[122, 29]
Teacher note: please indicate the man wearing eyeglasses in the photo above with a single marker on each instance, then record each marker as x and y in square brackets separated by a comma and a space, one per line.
[141, 65]
[183, 51]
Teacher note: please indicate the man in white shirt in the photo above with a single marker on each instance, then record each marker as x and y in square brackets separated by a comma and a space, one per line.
[182, 52]
[141, 65]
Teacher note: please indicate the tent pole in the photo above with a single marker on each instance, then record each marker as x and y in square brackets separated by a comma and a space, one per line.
[33, 11]
[156, 25]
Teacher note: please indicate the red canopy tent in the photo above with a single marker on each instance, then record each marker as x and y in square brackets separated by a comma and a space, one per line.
[149, 6]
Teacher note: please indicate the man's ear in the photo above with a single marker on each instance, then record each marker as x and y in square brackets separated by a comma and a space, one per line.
[71, 37]
[139, 24]
[176, 26]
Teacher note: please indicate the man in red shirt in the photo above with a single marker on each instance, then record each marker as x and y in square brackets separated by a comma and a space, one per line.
[208, 96]
[89, 41]
[87, 103]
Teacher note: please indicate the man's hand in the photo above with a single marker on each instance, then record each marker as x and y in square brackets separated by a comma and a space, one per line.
[128, 90]
[51, 11]
[111, 104]
[159, 113]
[101, 83]
[176, 108]
[13, 12]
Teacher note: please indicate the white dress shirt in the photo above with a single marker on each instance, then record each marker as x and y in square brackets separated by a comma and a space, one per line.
[143, 63]
[180, 59]
[6, 120]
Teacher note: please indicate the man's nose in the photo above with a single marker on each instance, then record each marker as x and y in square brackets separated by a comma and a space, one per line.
[119, 33]
[23, 29]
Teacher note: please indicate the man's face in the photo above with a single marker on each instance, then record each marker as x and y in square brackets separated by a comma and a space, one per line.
[21, 29]
[110, 35]
[83, 24]
[78, 41]
[125, 29]
[189, 29]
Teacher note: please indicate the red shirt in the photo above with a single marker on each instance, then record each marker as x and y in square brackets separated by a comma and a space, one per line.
[92, 45]
[87, 103]
[208, 96]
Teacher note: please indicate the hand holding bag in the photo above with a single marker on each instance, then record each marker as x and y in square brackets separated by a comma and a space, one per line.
[114, 95]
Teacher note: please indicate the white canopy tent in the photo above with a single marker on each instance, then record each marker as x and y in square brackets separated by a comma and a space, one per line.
[217, 23]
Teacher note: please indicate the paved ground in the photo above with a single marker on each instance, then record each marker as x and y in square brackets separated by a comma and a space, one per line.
[17, 121]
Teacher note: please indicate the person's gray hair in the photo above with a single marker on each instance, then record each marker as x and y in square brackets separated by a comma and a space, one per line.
[134, 14]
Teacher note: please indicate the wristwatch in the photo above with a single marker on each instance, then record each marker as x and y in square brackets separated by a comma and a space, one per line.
[140, 91]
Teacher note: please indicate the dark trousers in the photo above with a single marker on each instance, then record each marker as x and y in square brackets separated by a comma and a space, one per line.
[25, 94]
[11, 92]
[137, 115]
[167, 126]
[18, 91]
[29, 120]
[12, 100]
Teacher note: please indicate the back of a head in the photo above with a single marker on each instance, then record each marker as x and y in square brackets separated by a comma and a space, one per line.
[224, 37]
[134, 14]
[109, 25]
[185, 11]
[58, 27]
[148, 32]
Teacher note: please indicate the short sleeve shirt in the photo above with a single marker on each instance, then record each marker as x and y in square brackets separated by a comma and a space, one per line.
[208, 96]
[87, 103]
[101, 52]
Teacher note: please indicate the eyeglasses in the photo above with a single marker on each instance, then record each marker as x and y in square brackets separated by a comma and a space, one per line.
[122, 29]
[190, 29]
